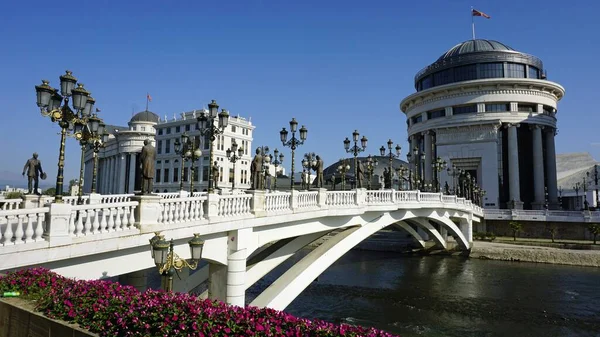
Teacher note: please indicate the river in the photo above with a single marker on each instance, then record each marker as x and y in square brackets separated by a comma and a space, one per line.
[450, 296]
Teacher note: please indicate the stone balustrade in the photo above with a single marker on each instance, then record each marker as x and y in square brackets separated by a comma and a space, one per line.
[110, 216]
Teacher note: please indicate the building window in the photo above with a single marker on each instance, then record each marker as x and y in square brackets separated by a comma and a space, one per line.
[491, 70]
[159, 147]
[443, 77]
[534, 72]
[187, 127]
[177, 129]
[206, 141]
[166, 175]
[514, 70]
[233, 129]
[465, 73]
[426, 83]
[417, 119]
[168, 130]
[436, 114]
[185, 174]
[167, 146]
[143, 128]
[158, 175]
[497, 107]
[524, 107]
[175, 174]
[465, 109]
[205, 173]
[160, 131]
[196, 175]
[548, 110]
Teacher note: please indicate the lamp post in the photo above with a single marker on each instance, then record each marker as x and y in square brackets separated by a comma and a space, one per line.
[454, 172]
[402, 171]
[438, 166]
[342, 169]
[560, 190]
[168, 262]
[192, 154]
[309, 161]
[234, 154]
[276, 159]
[371, 164]
[586, 205]
[390, 155]
[181, 147]
[355, 150]
[206, 125]
[91, 134]
[409, 158]
[293, 143]
[49, 102]
[96, 145]
[576, 188]
[596, 185]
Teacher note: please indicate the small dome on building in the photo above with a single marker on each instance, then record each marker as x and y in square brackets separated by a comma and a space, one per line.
[475, 46]
[145, 116]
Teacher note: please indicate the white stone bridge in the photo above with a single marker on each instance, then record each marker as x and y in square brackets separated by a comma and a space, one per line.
[246, 235]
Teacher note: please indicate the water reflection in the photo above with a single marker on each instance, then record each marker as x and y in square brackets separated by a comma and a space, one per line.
[449, 296]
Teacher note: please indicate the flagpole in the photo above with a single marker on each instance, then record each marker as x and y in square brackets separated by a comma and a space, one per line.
[146, 101]
[472, 23]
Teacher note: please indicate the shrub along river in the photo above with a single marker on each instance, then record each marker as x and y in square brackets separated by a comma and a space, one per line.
[450, 296]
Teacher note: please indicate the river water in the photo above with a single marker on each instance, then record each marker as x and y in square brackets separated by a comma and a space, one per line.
[450, 296]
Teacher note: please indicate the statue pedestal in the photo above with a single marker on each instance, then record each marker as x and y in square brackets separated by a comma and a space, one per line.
[258, 202]
[32, 201]
[146, 214]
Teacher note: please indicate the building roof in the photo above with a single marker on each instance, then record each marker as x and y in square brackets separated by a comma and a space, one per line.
[572, 167]
[475, 46]
[112, 129]
[145, 116]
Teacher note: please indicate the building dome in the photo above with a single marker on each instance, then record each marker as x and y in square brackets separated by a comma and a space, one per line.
[475, 46]
[145, 116]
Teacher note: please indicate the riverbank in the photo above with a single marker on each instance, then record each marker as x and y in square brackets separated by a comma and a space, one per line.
[538, 254]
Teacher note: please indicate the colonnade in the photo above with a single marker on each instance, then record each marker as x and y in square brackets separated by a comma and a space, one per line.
[542, 165]
[116, 173]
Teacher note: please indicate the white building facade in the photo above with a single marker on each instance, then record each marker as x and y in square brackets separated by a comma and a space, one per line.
[489, 110]
[119, 165]
[169, 164]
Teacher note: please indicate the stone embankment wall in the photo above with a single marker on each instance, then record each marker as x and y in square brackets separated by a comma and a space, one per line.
[539, 229]
[17, 319]
[509, 252]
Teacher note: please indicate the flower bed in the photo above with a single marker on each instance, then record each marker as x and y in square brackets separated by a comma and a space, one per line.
[110, 309]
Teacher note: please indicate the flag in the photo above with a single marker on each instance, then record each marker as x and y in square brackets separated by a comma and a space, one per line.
[149, 97]
[98, 110]
[475, 12]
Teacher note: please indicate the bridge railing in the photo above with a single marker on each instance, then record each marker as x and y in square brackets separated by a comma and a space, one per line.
[176, 210]
[278, 202]
[22, 226]
[7, 204]
[92, 219]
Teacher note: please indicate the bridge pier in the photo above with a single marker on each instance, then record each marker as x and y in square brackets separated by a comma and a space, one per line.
[137, 279]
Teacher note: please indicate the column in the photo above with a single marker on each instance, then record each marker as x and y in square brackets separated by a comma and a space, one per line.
[122, 171]
[428, 157]
[538, 168]
[236, 278]
[132, 159]
[513, 168]
[551, 170]
[111, 174]
[106, 175]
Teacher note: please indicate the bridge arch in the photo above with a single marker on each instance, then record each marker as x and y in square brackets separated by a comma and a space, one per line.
[289, 285]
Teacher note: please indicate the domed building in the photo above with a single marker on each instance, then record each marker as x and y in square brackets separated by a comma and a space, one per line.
[119, 162]
[488, 110]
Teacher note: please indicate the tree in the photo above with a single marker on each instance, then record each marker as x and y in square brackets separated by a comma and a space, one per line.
[594, 230]
[13, 195]
[50, 191]
[553, 230]
[516, 228]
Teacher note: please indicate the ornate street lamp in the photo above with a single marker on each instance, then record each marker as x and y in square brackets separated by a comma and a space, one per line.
[70, 122]
[402, 172]
[96, 145]
[391, 155]
[342, 170]
[276, 160]
[371, 164]
[168, 262]
[438, 166]
[309, 161]
[265, 166]
[90, 135]
[233, 158]
[206, 125]
[181, 147]
[454, 172]
[576, 188]
[293, 143]
[355, 150]
[586, 205]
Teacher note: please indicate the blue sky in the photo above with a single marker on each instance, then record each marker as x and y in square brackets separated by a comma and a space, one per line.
[334, 65]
